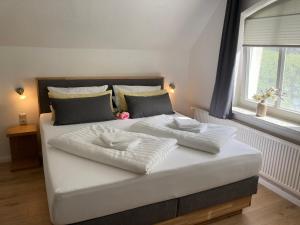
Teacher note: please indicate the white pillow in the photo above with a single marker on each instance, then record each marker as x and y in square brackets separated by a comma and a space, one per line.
[78, 90]
[130, 88]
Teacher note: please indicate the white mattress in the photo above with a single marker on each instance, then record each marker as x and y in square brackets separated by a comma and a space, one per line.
[79, 189]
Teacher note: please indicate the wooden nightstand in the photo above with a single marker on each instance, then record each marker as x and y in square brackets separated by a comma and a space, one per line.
[23, 146]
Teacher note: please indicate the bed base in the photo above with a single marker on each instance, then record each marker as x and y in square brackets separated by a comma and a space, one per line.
[211, 214]
[202, 207]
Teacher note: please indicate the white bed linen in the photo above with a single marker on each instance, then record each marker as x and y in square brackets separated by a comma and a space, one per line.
[79, 189]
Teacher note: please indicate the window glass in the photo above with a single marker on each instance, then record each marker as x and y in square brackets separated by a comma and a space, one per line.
[291, 80]
[262, 70]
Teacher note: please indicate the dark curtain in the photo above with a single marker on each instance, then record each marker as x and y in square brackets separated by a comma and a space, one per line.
[221, 102]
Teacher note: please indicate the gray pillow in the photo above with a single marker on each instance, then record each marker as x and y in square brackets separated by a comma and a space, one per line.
[82, 110]
[142, 106]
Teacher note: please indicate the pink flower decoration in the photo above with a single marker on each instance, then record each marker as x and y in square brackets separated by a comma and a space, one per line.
[123, 115]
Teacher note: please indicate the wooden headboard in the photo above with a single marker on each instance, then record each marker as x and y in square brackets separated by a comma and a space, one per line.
[43, 83]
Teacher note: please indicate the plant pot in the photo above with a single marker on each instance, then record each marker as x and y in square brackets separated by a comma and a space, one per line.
[261, 109]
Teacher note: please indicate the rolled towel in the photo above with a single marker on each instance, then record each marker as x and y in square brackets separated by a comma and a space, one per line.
[187, 124]
[115, 141]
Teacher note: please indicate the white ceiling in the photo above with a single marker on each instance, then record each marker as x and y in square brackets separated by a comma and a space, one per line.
[105, 24]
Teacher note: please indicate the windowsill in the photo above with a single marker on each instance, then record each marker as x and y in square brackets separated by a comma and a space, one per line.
[287, 130]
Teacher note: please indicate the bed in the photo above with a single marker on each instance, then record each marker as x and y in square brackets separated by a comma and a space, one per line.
[81, 191]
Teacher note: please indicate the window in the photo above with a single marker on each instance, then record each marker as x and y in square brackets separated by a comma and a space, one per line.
[291, 80]
[278, 67]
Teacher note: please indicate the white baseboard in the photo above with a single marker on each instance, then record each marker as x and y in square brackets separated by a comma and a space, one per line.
[4, 159]
[279, 191]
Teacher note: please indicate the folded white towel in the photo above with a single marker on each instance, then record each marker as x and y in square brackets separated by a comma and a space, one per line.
[185, 122]
[200, 129]
[210, 141]
[143, 158]
[115, 141]
[188, 124]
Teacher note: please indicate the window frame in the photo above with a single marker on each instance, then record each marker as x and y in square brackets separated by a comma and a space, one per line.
[273, 110]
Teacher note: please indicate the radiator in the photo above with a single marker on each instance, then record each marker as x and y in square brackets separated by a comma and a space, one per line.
[281, 159]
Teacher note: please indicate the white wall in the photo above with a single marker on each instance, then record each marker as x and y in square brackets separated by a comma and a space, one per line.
[20, 65]
[248, 3]
[204, 60]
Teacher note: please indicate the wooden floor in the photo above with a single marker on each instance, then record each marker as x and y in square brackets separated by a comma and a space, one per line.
[23, 202]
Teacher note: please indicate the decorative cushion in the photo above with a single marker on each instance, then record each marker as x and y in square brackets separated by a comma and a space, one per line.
[78, 90]
[59, 95]
[122, 101]
[132, 88]
[82, 110]
[143, 106]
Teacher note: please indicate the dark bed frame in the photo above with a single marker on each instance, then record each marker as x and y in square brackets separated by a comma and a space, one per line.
[173, 211]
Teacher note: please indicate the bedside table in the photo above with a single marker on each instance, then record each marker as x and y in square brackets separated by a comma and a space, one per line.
[23, 146]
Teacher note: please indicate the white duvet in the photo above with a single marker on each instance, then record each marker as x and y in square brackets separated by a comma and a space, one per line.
[142, 158]
[211, 140]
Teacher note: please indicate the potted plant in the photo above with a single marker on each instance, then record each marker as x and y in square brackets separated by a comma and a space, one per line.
[261, 109]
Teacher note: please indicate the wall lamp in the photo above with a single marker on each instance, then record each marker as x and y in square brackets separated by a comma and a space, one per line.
[20, 91]
[172, 87]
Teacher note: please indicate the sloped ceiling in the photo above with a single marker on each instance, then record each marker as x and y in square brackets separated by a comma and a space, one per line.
[105, 24]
